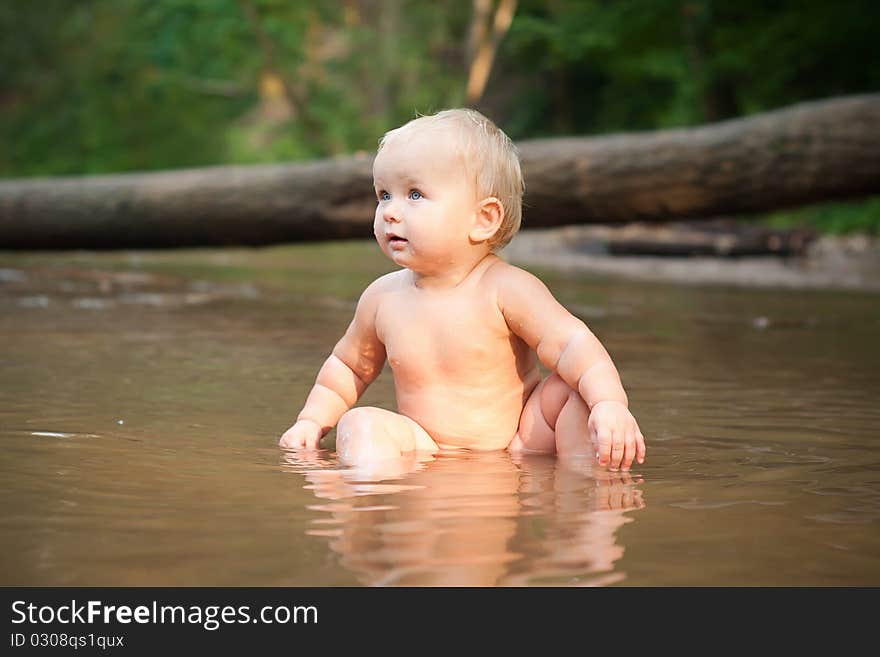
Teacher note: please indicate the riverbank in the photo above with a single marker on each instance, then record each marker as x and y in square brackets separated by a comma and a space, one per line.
[828, 262]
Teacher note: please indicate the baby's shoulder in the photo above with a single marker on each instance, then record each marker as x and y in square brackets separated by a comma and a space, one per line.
[514, 290]
[501, 276]
[385, 284]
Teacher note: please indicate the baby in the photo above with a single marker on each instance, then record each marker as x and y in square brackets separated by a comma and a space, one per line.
[463, 330]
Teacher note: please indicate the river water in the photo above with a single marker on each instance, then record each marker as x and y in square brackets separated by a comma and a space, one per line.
[142, 395]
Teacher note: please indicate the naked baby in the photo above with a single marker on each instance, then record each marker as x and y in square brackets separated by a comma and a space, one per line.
[461, 329]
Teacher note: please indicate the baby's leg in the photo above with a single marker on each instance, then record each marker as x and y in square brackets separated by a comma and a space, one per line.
[368, 435]
[554, 419]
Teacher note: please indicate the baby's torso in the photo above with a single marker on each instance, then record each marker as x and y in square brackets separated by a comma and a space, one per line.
[458, 369]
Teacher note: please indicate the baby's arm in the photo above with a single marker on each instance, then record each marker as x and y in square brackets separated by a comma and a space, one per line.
[565, 345]
[356, 361]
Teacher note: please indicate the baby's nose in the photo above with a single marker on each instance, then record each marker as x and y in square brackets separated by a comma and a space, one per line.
[390, 213]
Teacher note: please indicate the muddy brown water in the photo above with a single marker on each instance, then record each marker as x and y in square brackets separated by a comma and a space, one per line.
[142, 395]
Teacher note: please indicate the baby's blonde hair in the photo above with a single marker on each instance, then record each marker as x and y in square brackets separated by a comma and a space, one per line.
[489, 156]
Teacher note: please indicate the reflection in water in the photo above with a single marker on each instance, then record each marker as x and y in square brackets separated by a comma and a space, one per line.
[471, 519]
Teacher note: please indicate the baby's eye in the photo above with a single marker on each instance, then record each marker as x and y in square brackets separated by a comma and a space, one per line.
[384, 196]
[415, 194]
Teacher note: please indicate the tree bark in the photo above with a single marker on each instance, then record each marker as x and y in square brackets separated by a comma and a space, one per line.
[483, 44]
[816, 151]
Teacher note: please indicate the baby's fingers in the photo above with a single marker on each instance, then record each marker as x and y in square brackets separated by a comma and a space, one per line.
[629, 453]
[289, 442]
[292, 439]
[618, 448]
[604, 440]
[640, 447]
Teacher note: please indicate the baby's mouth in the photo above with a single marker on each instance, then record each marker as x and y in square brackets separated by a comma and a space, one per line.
[394, 239]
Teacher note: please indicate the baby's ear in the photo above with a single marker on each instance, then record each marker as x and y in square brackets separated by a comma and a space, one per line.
[490, 214]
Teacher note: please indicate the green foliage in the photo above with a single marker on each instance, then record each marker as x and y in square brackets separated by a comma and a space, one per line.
[118, 85]
[832, 218]
[596, 66]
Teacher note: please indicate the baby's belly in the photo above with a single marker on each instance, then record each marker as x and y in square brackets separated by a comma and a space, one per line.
[477, 418]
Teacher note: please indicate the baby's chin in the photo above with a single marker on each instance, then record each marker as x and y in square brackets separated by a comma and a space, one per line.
[398, 256]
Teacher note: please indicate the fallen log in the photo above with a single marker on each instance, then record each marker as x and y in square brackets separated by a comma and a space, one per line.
[816, 151]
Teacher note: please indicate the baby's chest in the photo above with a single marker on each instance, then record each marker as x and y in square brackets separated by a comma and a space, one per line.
[450, 338]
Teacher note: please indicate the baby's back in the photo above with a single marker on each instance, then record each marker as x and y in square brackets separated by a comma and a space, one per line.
[458, 369]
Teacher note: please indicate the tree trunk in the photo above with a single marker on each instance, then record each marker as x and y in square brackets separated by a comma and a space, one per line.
[806, 153]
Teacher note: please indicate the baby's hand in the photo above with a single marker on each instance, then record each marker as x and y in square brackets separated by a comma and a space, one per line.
[616, 435]
[305, 433]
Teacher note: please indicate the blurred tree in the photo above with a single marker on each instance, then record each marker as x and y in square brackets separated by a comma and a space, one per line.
[487, 30]
[587, 66]
[119, 85]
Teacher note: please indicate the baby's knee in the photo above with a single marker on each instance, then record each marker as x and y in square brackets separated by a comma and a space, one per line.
[354, 433]
[352, 415]
[555, 394]
[370, 424]
[354, 421]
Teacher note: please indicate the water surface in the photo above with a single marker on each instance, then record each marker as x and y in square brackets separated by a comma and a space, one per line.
[142, 394]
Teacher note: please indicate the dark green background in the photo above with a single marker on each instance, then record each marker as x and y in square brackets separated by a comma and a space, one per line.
[98, 86]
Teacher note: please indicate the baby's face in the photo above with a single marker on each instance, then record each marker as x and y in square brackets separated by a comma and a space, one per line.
[425, 203]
